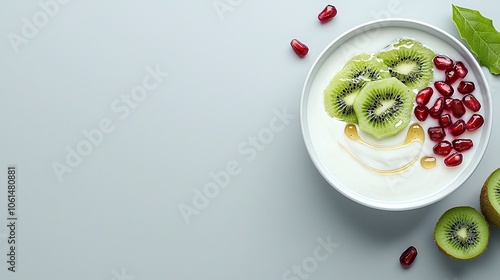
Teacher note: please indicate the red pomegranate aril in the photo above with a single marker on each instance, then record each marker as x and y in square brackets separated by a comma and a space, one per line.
[445, 89]
[457, 108]
[462, 145]
[457, 128]
[453, 160]
[436, 109]
[475, 122]
[327, 14]
[443, 62]
[442, 148]
[461, 69]
[408, 256]
[465, 87]
[445, 120]
[421, 112]
[450, 76]
[447, 103]
[436, 133]
[300, 48]
[424, 95]
[471, 102]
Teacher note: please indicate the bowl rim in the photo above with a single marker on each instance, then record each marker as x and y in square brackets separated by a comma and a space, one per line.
[425, 27]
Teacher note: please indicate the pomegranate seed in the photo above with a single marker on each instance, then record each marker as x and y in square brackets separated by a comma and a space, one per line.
[461, 145]
[442, 62]
[471, 102]
[475, 122]
[450, 76]
[327, 14]
[445, 89]
[300, 48]
[458, 127]
[436, 133]
[442, 148]
[466, 87]
[436, 109]
[445, 120]
[454, 159]
[421, 112]
[408, 256]
[424, 95]
[457, 108]
[447, 103]
[461, 69]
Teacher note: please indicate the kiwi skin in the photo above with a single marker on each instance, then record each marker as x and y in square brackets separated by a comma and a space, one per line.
[487, 233]
[486, 207]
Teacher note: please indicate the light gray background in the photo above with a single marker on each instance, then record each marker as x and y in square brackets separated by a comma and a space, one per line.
[116, 215]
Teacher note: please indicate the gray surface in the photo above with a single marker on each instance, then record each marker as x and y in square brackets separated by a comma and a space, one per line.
[116, 215]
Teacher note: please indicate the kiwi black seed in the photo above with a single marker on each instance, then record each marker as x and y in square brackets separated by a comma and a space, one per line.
[340, 93]
[490, 198]
[410, 62]
[384, 107]
[462, 233]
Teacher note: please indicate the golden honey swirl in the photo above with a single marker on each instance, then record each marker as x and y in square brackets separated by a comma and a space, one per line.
[415, 134]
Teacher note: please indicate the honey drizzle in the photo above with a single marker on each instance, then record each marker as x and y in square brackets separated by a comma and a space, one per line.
[428, 162]
[415, 133]
[398, 170]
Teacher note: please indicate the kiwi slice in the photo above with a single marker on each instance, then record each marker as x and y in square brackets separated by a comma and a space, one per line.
[490, 198]
[384, 107]
[340, 93]
[462, 232]
[410, 62]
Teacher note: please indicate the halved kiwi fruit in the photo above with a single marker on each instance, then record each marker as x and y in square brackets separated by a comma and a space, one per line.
[462, 232]
[340, 93]
[383, 108]
[410, 62]
[490, 198]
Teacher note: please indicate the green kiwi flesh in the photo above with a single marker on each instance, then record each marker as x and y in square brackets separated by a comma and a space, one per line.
[342, 90]
[410, 62]
[384, 107]
[462, 233]
[490, 198]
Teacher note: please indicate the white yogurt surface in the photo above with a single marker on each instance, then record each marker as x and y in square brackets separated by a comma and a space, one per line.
[346, 173]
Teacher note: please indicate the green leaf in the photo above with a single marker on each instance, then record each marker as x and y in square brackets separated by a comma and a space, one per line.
[481, 36]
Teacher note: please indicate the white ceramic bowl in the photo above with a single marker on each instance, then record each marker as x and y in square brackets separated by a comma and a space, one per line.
[416, 187]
